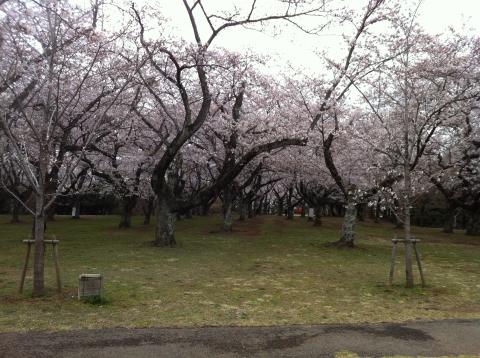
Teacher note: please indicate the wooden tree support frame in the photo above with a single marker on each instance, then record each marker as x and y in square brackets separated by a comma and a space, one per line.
[414, 242]
[54, 244]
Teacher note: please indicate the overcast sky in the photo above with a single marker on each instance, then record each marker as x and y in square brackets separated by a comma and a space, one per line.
[299, 49]
[436, 16]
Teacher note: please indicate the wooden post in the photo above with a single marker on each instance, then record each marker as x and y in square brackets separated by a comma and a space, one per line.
[392, 262]
[57, 264]
[25, 267]
[419, 263]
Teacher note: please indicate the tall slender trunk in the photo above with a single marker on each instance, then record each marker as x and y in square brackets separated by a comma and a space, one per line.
[290, 207]
[165, 229]
[227, 209]
[76, 207]
[250, 209]
[128, 204]
[205, 210]
[39, 256]
[280, 206]
[348, 226]
[51, 213]
[242, 208]
[473, 223]
[377, 212]
[449, 219]
[407, 228]
[148, 208]
[318, 216]
[15, 212]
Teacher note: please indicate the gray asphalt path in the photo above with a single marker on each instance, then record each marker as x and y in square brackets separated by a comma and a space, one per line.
[435, 338]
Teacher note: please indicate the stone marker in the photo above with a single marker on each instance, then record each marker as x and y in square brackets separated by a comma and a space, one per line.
[90, 285]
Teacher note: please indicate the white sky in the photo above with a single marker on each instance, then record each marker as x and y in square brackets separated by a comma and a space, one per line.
[298, 49]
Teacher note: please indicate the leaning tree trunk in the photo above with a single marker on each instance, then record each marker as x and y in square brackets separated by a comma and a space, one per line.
[165, 229]
[348, 226]
[227, 209]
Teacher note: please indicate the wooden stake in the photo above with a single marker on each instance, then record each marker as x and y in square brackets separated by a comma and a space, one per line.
[392, 262]
[57, 266]
[25, 267]
[419, 263]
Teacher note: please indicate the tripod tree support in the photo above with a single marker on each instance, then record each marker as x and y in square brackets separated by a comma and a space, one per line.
[54, 244]
[414, 242]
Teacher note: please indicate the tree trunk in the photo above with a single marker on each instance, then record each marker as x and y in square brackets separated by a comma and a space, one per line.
[361, 212]
[449, 220]
[128, 204]
[205, 209]
[348, 226]
[250, 209]
[227, 209]
[406, 225]
[15, 211]
[280, 207]
[290, 207]
[51, 213]
[148, 207]
[241, 208]
[39, 257]
[377, 212]
[165, 229]
[76, 207]
[473, 223]
[318, 216]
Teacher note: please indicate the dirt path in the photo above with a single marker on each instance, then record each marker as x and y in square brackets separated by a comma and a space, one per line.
[435, 338]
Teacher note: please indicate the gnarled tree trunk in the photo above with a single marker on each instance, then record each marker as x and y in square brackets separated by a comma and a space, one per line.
[165, 229]
[348, 226]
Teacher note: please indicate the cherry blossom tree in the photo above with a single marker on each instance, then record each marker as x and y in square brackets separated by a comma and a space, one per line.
[412, 97]
[182, 71]
[56, 88]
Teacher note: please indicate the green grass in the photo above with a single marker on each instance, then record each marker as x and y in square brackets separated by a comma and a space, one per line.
[268, 272]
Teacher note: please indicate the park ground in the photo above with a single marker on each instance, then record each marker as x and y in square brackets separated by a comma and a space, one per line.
[268, 272]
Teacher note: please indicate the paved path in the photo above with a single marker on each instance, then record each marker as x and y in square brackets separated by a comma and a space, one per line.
[435, 338]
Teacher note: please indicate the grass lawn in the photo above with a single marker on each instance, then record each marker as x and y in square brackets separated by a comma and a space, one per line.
[268, 272]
